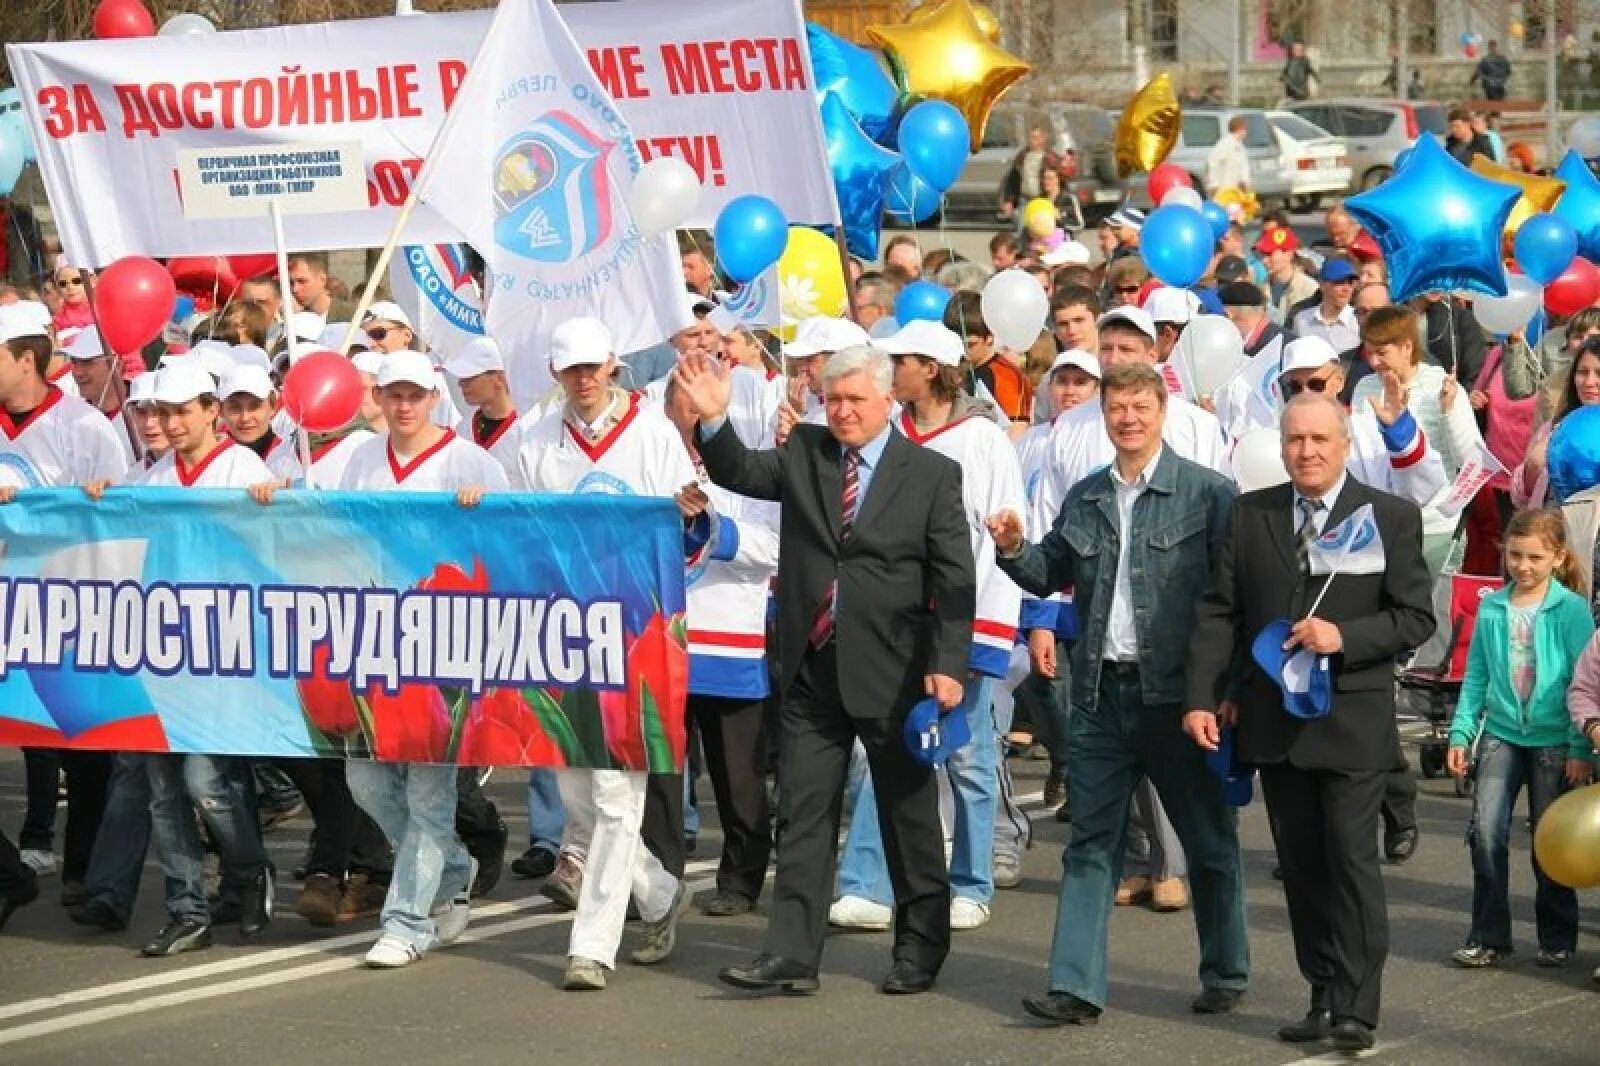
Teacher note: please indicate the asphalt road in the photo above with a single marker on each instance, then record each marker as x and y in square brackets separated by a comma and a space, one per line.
[68, 996]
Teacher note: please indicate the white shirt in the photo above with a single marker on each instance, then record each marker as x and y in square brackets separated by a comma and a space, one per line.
[227, 466]
[1227, 164]
[63, 441]
[1122, 634]
[1319, 519]
[450, 463]
[1342, 331]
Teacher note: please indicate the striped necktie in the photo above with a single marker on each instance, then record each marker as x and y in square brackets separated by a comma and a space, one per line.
[1307, 533]
[822, 625]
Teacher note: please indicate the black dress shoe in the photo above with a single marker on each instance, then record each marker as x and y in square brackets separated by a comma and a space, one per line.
[73, 893]
[256, 903]
[906, 978]
[491, 856]
[727, 905]
[1400, 845]
[18, 898]
[1216, 1001]
[768, 973]
[97, 915]
[1316, 1025]
[1350, 1035]
[1061, 1008]
[534, 863]
[178, 936]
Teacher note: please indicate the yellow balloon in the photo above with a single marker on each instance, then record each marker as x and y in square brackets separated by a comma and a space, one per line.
[987, 21]
[810, 279]
[1148, 129]
[1039, 218]
[1538, 194]
[1233, 196]
[1567, 842]
[944, 54]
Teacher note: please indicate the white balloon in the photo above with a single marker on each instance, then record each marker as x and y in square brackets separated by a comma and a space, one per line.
[1514, 310]
[1184, 196]
[1584, 137]
[1257, 460]
[665, 193]
[1015, 309]
[187, 24]
[1211, 352]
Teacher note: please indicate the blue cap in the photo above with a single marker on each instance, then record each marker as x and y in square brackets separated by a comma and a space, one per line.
[1303, 676]
[1237, 788]
[1336, 270]
[933, 737]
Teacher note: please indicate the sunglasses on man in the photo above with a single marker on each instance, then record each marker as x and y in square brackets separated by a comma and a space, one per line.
[1295, 388]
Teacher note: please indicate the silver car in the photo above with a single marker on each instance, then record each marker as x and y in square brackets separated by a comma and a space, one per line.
[1375, 131]
[1202, 128]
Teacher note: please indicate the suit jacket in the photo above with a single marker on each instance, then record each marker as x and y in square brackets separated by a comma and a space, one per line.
[1380, 616]
[907, 586]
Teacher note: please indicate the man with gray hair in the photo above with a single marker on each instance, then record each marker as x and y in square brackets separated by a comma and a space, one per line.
[876, 599]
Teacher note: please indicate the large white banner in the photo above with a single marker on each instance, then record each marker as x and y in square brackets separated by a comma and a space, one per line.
[726, 86]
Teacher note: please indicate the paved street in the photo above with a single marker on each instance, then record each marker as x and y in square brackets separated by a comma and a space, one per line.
[67, 996]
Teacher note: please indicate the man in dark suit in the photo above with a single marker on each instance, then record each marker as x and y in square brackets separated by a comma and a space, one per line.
[1323, 778]
[876, 598]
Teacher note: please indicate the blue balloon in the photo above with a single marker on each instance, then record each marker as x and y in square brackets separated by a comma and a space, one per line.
[11, 112]
[1438, 225]
[750, 236]
[921, 300]
[182, 307]
[1573, 455]
[908, 198]
[860, 172]
[1217, 215]
[1176, 244]
[854, 74]
[12, 157]
[1546, 244]
[1580, 204]
[935, 141]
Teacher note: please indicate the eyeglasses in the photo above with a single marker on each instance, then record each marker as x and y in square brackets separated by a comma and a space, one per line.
[1313, 385]
[69, 281]
[1127, 290]
[377, 333]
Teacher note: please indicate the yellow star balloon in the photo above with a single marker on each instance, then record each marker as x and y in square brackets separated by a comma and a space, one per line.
[987, 21]
[1538, 193]
[944, 54]
[1148, 129]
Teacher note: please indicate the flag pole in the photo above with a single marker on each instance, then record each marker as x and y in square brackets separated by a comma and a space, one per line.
[280, 246]
[1338, 563]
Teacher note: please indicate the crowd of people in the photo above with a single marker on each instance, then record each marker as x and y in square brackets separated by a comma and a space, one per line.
[1048, 543]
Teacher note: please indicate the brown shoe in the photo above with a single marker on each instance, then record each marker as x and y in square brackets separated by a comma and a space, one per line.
[362, 898]
[1133, 890]
[1169, 895]
[319, 900]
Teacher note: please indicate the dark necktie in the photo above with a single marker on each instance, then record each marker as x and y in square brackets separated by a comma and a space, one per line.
[1307, 532]
[822, 624]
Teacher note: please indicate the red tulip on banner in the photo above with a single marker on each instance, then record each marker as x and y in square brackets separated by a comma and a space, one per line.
[1164, 178]
[122, 18]
[322, 392]
[1578, 287]
[133, 302]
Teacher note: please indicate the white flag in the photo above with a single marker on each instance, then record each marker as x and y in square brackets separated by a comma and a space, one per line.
[1354, 546]
[1478, 468]
[431, 282]
[534, 166]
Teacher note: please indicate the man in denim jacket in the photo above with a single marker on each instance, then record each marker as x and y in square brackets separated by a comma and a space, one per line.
[1135, 595]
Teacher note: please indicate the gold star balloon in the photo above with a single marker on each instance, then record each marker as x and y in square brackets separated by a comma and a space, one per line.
[1148, 129]
[987, 21]
[945, 55]
[1538, 193]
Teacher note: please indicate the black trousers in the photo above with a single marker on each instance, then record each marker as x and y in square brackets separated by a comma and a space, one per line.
[1400, 798]
[814, 756]
[88, 775]
[1325, 824]
[16, 876]
[346, 839]
[733, 736]
[662, 826]
[42, 767]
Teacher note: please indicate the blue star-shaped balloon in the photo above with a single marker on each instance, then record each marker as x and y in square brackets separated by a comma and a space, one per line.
[1580, 204]
[853, 74]
[1438, 225]
[859, 167]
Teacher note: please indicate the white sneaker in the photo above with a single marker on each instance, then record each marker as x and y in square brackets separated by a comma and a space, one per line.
[42, 862]
[854, 912]
[450, 920]
[968, 913]
[391, 953]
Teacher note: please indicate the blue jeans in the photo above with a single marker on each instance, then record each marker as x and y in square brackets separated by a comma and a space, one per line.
[546, 816]
[415, 806]
[1503, 769]
[222, 789]
[863, 870]
[1114, 744]
[119, 847]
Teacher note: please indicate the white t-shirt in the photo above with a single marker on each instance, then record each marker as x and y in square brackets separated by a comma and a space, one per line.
[641, 455]
[63, 441]
[328, 459]
[501, 442]
[449, 464]
[228, 466]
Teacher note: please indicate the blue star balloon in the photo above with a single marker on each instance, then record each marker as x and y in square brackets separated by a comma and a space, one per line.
[1438, 225]
[909, 199]
[860, 168]
[1580, 204]
[853, 74]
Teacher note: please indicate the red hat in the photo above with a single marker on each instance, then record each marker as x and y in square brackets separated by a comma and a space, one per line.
[1277, 238]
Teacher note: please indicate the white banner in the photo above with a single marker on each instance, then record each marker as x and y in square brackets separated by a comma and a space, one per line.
[726, 86]
[432, 283]
[1477, 470]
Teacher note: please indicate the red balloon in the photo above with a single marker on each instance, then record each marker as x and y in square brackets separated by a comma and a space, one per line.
[133, 301]
[205, 277]
[246, 267]
[323, 392]
[122, 18]
[1164, 178]
[1578, 287]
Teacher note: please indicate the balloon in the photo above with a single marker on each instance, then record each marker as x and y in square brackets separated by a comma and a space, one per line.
[855, 75]
[1184, 196]
[122, 18]
[1211, 352]
[1538, 193]
[1577, 287]
[1567, 841]
[749, 235]
[323, 392]
[1511, 312]
[810, 277]
[11, 116]
[133, 300]
[1243, 201]
[933, 139]
[209, 278]
[943, 54]
[1217, 215]
[987, 22]
[1401, 158]
[1039, 218]
[1584, 137]
[1546, 245]
[245, 267]
[1257, 460]
[1580, 204]
[1438, 225]
[907, 198]
[860, 170]
[1148, 129]
[1163, 179]
[666, 191]
[13, 156]
[921, 300]
[186, 25]
[1176, 244]
[1014, 308]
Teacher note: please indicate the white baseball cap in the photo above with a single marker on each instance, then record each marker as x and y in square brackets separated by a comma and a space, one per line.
[580, 342]
[251, 379]
[86, 345]
[20, 320]
[1076, 357]
[922, 337]
[250, 355]
[142, 389]
[1167, 304]
[181, 380]
[695, 305]
[819, 335]
[306, 326]
[480, 355]
[387, 311]
[1136, 317]
[369, 362]
[413, 368]
[215, 356]
[1307, 353]
[1067, 253]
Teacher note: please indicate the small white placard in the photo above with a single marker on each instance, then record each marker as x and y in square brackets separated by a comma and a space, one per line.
[303, 178]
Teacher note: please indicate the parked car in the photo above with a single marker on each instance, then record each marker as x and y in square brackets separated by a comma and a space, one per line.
[1202, 128]
[1092, 133]
[975, 197]
[1375, 131]
[1318, 163]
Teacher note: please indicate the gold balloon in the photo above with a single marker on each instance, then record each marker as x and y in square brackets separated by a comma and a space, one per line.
[1567, 842]
[1538, 193]
[987, 22]
[1148, 129]
[944, 55]
[1244, 199]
